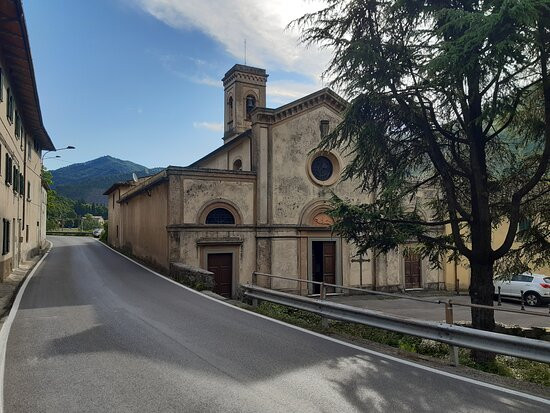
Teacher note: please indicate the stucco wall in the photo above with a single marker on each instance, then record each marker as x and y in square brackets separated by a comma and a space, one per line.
[199, 192]
[292, 142]
[23, 212]
[144, 220]
[191, 246]
[224, 159]
[461, 269]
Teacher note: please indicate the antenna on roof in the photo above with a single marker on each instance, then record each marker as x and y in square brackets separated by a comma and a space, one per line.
[134, 177]
[245, 51]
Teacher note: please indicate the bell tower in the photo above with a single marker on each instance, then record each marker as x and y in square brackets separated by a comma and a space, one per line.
[244, 89]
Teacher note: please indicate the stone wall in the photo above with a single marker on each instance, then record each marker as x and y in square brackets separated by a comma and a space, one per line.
[190, 276]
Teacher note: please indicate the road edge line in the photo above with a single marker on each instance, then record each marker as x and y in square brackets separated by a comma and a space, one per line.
[338, 341]
[6, 327]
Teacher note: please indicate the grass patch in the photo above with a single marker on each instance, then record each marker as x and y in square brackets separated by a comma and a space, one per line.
[513, 367]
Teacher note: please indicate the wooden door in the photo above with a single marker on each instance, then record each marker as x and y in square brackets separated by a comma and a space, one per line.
[412, 271]
[329, 264]
[222, 267]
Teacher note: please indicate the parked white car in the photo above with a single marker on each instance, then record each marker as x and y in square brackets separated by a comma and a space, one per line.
[535, 287]
[97, 232]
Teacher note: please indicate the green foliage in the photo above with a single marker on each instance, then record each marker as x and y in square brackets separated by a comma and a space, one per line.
[63, 212]
[448, 125]
[89, 223]
[105, 234]
[82, 208]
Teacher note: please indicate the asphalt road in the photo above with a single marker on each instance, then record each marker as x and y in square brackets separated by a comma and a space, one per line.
[96, 332]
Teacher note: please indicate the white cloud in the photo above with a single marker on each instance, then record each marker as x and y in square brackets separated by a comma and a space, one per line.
[263, 24]
[212, 126]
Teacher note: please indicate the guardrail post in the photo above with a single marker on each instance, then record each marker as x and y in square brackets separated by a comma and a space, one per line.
[323, 296]
[254, 282]
[453, 350]
[522, 300]
[499, 302]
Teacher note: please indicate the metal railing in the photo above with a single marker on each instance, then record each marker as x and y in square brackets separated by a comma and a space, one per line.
[448, 303]
[454, 335]
[449, 318]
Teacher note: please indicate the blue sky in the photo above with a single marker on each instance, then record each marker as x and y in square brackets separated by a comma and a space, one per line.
[140, 79]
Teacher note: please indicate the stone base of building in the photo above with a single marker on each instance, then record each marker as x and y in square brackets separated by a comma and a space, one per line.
[5, 268]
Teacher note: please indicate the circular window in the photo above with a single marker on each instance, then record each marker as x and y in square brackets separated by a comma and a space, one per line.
[322, 168]
[238, 165]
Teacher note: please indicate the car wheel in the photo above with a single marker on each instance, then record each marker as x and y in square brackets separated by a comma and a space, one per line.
[531, 298]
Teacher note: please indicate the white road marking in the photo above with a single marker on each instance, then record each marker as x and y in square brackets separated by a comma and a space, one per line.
[5, 331]
[362, 349]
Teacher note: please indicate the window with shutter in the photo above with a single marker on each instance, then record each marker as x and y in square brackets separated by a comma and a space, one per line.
[5, 236]
[17, 125]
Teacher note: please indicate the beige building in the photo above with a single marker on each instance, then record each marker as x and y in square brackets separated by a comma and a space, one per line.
[22, 139]
[458, 274]
[258, 202]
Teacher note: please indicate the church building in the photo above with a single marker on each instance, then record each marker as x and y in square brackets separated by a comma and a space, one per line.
[258, 203]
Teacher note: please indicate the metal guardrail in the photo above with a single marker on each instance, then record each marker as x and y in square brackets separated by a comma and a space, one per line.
[454, 335]
[449, 303]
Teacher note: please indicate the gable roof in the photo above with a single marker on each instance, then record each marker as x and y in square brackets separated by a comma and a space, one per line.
[324, 96]
[16, 52]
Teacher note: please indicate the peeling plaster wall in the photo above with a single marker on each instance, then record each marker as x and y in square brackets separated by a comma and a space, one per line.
[190, 245]
[292, 141]
[198, 193]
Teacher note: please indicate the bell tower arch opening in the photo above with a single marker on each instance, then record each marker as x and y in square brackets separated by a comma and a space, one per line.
[244, 90]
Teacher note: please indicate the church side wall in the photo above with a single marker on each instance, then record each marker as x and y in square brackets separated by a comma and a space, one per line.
[144, 220]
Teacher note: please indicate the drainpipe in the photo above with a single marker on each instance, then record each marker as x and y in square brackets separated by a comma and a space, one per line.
[25, 188]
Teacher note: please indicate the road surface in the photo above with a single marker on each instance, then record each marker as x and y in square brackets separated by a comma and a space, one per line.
[96, 332]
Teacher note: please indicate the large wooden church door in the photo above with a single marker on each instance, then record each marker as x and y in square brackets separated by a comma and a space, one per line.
[324, 264]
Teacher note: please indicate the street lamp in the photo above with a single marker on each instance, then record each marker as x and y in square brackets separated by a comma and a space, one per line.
[57, 150]
[52, 157]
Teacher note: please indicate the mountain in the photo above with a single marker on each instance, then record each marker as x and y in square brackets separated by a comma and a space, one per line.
[90, 179]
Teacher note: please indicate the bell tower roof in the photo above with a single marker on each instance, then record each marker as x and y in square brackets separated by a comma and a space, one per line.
[244, 90]
[254, 74]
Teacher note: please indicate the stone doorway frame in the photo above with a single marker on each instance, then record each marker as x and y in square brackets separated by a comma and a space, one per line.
[338, 259]
[234, 250]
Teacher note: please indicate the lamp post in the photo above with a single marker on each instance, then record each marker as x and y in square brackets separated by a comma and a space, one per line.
[52, 157]
[57, 150]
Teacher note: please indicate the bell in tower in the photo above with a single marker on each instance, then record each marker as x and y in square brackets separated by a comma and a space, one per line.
[244, 90]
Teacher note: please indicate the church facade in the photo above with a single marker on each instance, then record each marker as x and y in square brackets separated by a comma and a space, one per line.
[258, 203]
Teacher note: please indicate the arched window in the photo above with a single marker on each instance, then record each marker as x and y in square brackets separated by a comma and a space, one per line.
[220, 216]
[230, 106]
[238, 165]
[250, 104]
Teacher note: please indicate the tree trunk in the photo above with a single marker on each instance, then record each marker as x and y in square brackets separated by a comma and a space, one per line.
[482, 292]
